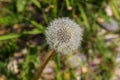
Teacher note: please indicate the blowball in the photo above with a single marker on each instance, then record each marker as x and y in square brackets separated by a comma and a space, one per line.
[64, 35]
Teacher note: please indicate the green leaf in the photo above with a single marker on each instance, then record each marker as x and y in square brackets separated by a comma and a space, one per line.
[21, 5]
[9, 20]
[34, 31]
[9, 36]
[37, 3]
[84, 16]
[37, 25]
[16, 35]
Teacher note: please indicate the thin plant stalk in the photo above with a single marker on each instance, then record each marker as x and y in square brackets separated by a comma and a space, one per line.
[42, 66]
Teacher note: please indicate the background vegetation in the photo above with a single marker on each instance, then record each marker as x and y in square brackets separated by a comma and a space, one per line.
[23, 45]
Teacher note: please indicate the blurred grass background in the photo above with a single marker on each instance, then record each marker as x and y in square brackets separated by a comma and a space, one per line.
[23, 45]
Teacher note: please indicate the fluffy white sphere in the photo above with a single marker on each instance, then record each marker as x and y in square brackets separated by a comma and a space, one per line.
[64, 35]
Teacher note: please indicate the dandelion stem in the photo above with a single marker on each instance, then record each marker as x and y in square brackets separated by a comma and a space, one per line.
[42, 66]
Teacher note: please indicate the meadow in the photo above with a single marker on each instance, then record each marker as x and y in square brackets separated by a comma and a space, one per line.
[23, 44]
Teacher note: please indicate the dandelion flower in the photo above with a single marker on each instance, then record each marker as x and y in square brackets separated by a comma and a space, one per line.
[64, 35]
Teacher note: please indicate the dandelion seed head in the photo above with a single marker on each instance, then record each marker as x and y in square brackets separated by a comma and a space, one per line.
[64, 35]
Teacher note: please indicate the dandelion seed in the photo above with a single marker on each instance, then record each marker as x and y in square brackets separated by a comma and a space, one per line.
[64, 35]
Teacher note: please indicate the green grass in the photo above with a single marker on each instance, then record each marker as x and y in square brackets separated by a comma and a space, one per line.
[33, 16]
